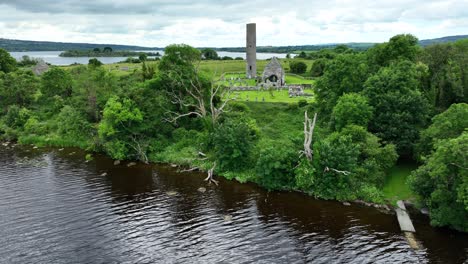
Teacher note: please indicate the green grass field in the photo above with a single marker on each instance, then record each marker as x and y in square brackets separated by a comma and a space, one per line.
[270, 97]
[395, 187]
[217, 67]
[277, 120]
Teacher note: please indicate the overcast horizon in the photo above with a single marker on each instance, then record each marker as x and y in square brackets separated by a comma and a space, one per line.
[208, 23]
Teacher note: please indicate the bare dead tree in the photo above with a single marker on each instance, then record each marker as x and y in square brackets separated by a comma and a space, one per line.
[195, 97]
[139, 150]
[309, 126]
[210, 179]
[189, 170]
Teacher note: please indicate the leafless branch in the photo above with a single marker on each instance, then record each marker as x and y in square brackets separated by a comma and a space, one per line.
[327, 169]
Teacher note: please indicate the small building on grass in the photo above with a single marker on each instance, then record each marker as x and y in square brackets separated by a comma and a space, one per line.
[273, 74]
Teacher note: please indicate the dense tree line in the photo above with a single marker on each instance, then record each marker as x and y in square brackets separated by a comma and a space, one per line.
[395, 100]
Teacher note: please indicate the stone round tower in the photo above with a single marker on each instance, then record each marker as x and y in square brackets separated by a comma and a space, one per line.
[251, 49]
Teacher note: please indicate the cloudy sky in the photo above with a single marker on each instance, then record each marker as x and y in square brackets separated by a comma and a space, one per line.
[221, 23]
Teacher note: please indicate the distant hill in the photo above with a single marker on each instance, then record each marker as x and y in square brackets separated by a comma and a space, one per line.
[298, 48]
[353, 45]
[28, 45]
[427, 42]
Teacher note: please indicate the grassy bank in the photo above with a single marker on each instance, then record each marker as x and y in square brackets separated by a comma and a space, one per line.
[281, 96]
[395, 187]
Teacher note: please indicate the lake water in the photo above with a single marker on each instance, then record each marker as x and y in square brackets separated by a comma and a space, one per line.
[55, 208]
[53, 57]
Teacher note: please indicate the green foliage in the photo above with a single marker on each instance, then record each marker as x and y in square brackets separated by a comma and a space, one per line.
[318, 67]
[148, 71]
[302, 55]
[209, 54]
[302, 103]
[92, 87]
[400, 47]
[7, 62]
[27, 61]
[115, 129]
[371, 193]
[17, 88]
[298, 67]
[449, 124]
[16, 117]
[442, 183]
[348, 164]
[275, 164]
[350, 109]
[89, 157]
[35, 127]
[345, 74]
[233, 142]
[305, 175]
[93, 63]
[447, 81]
[56, 81]
[374, 159]
[336, 152]
[73, 124]
[105, 53]
[178, 58]
[400, 110]
[143, 57]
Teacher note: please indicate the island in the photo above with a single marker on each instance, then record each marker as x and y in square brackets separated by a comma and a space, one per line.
[106, 52]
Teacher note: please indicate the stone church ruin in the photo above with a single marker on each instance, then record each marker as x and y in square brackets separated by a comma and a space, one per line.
[273, 76]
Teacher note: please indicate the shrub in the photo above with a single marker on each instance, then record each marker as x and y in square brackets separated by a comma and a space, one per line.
[302, 103]
[94, 63]
[275, 165]
[233, 141]
[305, 175]
[371, 193]
[16, 117]
[298, 67]
[73, 124]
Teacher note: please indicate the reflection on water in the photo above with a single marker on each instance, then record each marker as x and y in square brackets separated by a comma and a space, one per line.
[55, 208]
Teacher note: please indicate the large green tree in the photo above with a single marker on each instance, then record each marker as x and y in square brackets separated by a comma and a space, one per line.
[7, 62]
[400, 110]
[449, 124]
[350, 109]
[447, 80]
[209, 54]
[442, 183]
[116, 128]
[298, 67]
[56, 81]
[399, 47]
[345, 74]
[17, 88]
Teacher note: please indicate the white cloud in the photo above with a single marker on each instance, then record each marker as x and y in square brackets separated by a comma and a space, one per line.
[222, 23]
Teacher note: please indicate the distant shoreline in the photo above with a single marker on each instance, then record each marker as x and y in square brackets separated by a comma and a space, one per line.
[92, 53]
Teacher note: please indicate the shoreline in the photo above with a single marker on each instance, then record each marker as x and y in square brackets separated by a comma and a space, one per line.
[384, 207]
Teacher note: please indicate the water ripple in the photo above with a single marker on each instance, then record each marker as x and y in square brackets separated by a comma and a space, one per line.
[57, 209]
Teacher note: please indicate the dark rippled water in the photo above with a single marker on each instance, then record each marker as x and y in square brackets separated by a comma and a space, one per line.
[55, 208]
